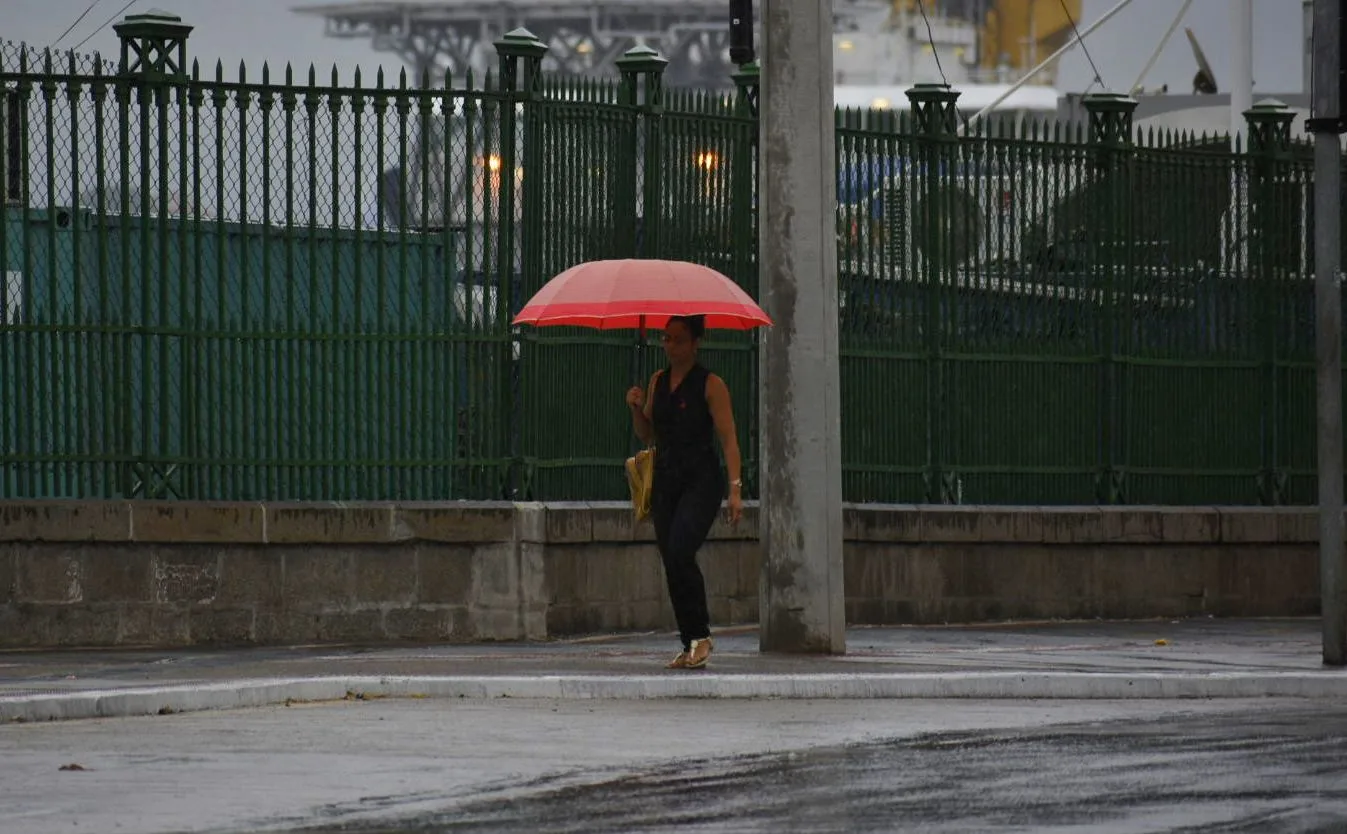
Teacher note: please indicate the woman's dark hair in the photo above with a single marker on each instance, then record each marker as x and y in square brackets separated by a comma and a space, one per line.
[696, 325]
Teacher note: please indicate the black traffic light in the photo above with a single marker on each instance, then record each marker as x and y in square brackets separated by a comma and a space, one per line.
[741, 32]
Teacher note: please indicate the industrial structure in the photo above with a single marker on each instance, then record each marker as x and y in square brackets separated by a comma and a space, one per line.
[978, 40]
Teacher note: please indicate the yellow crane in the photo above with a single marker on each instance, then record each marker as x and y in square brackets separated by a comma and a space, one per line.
[1013, 33]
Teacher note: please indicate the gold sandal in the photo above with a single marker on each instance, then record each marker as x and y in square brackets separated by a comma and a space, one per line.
[699, 653]
[679, 662]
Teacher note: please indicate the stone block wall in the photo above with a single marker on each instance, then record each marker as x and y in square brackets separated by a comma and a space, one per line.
[144, 573]
[172, 574]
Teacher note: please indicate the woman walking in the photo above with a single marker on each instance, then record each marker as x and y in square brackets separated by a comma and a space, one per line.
[683, 410]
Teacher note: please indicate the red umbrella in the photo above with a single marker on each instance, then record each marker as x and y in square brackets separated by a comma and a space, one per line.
[613, 295]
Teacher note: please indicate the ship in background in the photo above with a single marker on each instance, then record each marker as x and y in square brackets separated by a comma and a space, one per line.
[881, 47]
[981, 48]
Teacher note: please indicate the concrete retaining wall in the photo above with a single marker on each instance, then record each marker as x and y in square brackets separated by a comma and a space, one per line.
[166, 574]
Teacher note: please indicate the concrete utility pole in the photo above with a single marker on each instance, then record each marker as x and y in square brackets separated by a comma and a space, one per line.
[1327, 124]
[801, 446]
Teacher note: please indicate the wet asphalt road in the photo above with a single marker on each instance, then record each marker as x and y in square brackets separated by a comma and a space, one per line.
[1272, 771]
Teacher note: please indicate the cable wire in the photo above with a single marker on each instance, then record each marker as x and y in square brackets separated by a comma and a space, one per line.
[930, 38]
[1098, 79]
[104, 26]
[68, 29]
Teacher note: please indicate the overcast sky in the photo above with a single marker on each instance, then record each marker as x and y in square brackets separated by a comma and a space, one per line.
[267, 30]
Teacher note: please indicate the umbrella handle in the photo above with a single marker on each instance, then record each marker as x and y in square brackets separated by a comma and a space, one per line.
[636, 364]
[638, 355]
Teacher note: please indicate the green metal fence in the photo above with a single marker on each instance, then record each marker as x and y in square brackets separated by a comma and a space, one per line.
[216, 289]
[1067, 315]
[287, 286]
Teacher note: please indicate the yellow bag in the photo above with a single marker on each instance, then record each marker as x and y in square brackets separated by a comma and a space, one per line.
[640, 480]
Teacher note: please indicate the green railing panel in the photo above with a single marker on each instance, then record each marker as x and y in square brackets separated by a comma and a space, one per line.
[1299, 432]
[232, 289]
[579, 205]
[884, 424]
[1188, 437]
[700, 178]
[1054, 445]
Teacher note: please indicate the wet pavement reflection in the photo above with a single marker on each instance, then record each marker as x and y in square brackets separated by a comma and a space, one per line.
[1267, 772]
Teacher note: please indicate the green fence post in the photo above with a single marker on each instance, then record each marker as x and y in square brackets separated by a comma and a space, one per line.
[642, 70]
[744, 244]
[1269, 126]
[745, 173]
[637, 220]
[154, 46]
[935, 122]
[14, 295]
[747, 82]
[153, 60]
[521, 56]
[1110, 120]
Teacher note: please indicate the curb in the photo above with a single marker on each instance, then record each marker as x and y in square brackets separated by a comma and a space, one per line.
[239, 694]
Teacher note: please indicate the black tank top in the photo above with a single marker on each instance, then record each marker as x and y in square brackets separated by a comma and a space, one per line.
[684, 430]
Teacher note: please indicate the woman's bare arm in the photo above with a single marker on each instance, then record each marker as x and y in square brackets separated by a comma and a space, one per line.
[640, 417]
[722, 413]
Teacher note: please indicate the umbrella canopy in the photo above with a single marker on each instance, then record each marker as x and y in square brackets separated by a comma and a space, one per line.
[614, 295]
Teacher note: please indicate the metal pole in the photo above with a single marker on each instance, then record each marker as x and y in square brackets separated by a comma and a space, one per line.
[800, 521]
[1155, 56]
[1241, 99]
[1327, 125]
[1307, 62]
[1053, 57]
[1241, 70]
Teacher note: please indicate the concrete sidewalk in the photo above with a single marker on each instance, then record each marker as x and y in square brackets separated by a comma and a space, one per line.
[1078, 660]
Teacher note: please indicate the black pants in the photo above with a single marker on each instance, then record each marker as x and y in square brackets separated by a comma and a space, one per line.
[683, 509]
